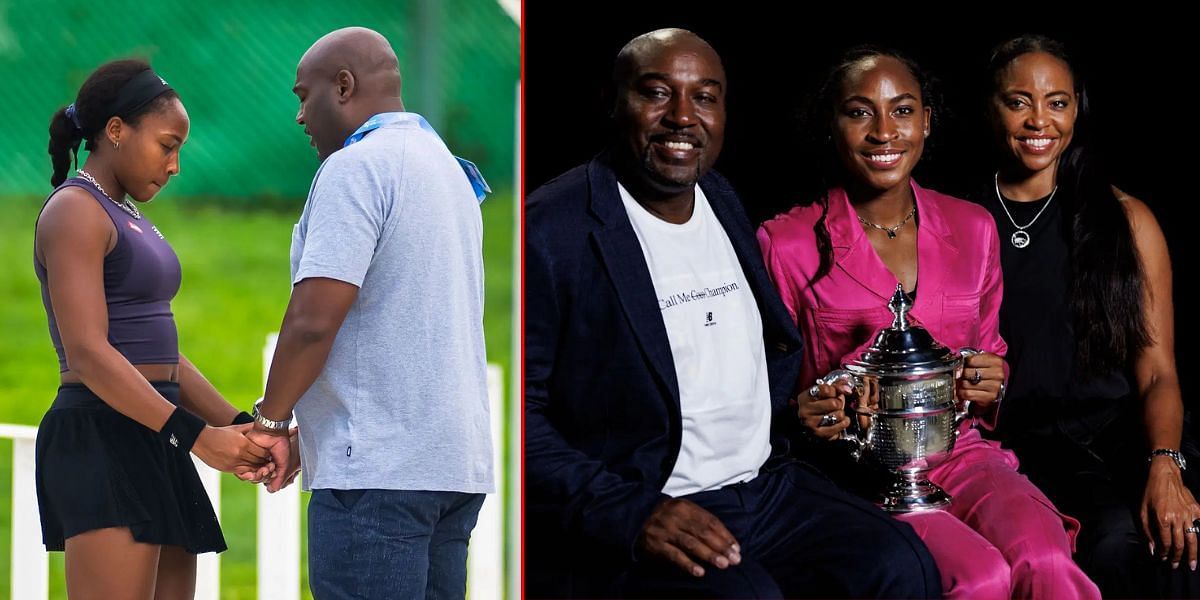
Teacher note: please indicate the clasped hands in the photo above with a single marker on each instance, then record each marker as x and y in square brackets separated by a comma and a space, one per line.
[252, 453]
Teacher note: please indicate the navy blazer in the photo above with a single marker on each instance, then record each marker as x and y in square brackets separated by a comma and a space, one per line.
[602, 416]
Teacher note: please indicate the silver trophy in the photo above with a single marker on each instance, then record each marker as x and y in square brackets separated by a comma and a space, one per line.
[904, 401]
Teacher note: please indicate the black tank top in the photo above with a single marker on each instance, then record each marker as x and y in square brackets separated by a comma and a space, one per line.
[1044, 396]
[141, 277]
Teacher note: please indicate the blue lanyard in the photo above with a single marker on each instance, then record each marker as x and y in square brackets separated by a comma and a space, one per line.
[473, 175]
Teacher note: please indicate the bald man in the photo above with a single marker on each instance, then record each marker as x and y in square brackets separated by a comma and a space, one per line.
[659, 366]
[381, 351]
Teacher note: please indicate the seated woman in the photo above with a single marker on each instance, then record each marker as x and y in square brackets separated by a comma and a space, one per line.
[1094, 411]
[837, 260]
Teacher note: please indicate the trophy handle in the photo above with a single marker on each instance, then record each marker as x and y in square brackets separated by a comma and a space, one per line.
[853, 436]
[964, 411]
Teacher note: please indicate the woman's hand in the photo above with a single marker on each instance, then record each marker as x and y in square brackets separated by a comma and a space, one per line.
[822, 409]
[981, 379]
[1168, 509]
[227, 449]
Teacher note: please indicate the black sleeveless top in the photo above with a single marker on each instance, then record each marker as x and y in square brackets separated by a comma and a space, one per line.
[1044, 396]
[141, 277]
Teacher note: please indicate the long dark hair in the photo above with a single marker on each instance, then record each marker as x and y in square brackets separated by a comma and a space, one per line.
[1107, 285]
[96, 93]
[817, 122]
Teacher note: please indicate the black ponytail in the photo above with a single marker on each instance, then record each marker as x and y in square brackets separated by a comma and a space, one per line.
[65, 138]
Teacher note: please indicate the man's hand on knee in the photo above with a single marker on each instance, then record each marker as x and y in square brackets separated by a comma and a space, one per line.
[683, 533]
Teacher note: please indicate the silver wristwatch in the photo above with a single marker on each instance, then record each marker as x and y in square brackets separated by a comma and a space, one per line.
[268, 424]
[1174, 454]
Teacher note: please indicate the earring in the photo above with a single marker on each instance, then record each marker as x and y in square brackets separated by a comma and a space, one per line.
[117, 146]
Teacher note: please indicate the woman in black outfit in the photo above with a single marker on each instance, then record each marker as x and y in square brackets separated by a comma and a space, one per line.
[116, 486]
[1094, 410]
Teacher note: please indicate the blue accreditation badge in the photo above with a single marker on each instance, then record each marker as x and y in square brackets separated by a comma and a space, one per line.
[473, 175]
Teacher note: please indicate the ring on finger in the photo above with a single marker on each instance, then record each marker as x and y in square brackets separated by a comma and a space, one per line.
[977, 377]
[814, 391]
[828, 419]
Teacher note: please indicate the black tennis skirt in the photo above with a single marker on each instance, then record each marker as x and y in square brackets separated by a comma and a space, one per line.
[97, 468]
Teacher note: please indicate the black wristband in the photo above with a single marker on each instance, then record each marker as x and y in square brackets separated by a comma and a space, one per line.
[181, 429]
[242, 418]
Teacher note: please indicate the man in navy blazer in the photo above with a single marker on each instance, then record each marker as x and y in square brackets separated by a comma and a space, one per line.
[659, 366]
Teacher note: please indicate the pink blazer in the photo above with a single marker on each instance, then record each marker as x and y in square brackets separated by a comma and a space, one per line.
[959, 282]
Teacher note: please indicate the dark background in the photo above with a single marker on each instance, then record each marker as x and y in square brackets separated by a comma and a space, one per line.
[1139, 70]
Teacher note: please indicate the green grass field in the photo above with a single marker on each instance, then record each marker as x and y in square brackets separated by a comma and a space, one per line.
[235, 288]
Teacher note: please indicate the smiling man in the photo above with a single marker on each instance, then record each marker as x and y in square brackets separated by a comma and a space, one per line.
[659, 366]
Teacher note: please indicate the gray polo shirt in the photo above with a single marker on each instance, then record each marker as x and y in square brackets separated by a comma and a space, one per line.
[402, 402]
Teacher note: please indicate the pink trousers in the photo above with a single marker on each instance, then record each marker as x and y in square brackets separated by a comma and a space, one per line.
[1001, 537]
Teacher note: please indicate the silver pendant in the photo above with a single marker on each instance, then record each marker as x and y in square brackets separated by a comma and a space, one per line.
[1020, 239]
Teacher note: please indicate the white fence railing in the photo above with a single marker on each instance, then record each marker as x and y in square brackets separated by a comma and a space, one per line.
[30, 564]
[278, 523]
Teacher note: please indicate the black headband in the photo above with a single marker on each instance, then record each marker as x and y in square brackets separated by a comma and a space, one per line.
[136, 93]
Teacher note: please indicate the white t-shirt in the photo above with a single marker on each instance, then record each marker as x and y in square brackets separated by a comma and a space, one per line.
[715, 331]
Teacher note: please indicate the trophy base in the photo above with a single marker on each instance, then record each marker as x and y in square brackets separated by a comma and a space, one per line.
[910, 494]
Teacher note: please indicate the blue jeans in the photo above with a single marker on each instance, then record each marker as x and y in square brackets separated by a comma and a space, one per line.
[389, 543]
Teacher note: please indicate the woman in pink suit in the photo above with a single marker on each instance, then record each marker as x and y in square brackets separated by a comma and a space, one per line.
[837, 261]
